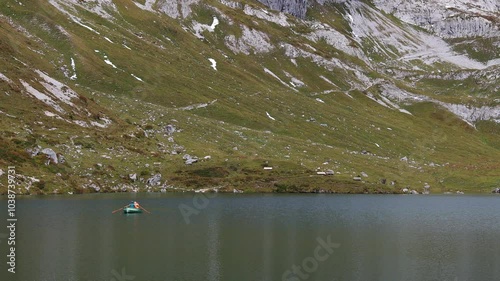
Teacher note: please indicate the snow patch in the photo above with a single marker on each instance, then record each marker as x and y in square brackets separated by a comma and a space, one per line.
[109, 40]
[270, 117]
[107, 61]
[214, 63]
[277, 78]
[328, 81]
[5, 78]
[199, 27]
[73, 66]
[294, 81]
[136, 77]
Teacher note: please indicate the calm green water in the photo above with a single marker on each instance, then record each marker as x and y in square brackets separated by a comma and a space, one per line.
[255, 237]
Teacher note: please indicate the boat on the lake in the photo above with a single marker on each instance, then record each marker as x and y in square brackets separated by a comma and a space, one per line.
[132, 208]
[129, 210]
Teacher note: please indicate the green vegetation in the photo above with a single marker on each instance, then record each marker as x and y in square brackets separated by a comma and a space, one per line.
[228, 120]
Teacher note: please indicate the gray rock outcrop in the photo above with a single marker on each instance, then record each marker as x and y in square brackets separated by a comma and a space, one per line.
[51, 155]
[296, 8]
[189, 160]
[155, 180]
[34, 151]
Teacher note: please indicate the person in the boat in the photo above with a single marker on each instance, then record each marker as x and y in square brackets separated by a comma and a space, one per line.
[133, 204]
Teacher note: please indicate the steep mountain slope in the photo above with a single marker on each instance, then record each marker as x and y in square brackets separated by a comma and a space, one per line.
[158, 95]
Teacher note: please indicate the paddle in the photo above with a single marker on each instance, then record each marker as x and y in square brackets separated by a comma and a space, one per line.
[118, 210]
[145, 209]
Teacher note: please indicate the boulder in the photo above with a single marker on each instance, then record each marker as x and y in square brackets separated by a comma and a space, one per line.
[34, 151]
[170, 129]
[132, 177]
[414, 192]
[363, 174]
[155, 180]
[405, 190]
[496, 190]
[61, 158]
[51, 155]
[330, 172]
[189, 160]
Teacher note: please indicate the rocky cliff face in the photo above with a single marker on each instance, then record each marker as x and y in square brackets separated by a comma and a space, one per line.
[448, 19]
[297, 8]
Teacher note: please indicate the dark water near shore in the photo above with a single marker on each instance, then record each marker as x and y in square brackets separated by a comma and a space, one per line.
[255, 237]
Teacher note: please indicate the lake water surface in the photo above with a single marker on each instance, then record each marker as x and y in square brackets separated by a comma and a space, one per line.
[239, 237]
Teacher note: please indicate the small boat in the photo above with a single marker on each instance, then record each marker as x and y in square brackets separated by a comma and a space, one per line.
[132, 208]
[129, 210]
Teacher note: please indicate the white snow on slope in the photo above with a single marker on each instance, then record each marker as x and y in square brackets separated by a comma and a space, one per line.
[136, 77]
[295, 82]
[8, 115]
[70, 11]
[73, 66]
[199, 27]
[107, 61]
[270, 117]
[215, 22]
[277, 78]
[109, 40]
[5, 78]
[328, 81]
[148, 6]
[214, 63]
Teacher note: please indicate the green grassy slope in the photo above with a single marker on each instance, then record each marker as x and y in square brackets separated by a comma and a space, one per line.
[313, 128]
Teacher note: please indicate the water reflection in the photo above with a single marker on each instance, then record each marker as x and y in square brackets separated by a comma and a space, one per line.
[258, 237]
